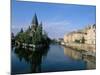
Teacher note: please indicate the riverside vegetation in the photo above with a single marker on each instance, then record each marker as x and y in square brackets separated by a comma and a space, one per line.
[34, 35]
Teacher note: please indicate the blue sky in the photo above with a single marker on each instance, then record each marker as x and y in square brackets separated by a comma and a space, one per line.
[57, 19]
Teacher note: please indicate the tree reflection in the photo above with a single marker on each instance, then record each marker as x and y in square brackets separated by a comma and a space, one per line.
[33, 57]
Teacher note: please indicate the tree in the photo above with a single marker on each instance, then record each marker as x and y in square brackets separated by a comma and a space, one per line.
[77, 41]
[33, 35]
[12, 35]
[12, 38]
[19, 36]
[83, 40]
[21, 31]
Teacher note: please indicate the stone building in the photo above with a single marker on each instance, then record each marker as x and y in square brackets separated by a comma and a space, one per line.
[86, 35]
[91, 35]
[74, 37]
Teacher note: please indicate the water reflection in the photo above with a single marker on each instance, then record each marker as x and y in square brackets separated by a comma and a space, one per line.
[49, 59]
[77, 55]
[90, 62]
[33, 57]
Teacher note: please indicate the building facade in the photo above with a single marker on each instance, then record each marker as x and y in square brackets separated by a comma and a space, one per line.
[91, 35]
[74, 37]
[86, 35]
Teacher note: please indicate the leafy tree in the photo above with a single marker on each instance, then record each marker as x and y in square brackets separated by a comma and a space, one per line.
[77, 41]
[37, 36]
[21, 31]
[83, 40]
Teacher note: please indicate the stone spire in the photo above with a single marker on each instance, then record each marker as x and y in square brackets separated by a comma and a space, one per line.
[35, 20]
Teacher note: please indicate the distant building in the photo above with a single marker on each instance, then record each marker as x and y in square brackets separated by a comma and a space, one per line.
[86, 35]
[74, 36]
[59, 39]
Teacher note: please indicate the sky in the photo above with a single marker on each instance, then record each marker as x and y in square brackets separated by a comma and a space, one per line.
[57, 19]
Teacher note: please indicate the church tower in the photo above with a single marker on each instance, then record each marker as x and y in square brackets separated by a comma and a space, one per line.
[34, 22]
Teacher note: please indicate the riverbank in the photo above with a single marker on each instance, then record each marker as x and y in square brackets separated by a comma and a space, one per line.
[87, 49]
[30, 46]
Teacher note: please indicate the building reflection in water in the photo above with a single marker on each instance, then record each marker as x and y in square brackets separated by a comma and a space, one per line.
[72, 53]
[32, 57]
[90, 62]
[77, 55]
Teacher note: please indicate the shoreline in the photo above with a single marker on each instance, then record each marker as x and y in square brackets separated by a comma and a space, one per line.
[83, 48]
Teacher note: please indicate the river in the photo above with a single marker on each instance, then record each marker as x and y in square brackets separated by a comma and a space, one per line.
[50, 59]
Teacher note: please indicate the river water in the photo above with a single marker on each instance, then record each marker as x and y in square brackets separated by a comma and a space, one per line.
[50, 59]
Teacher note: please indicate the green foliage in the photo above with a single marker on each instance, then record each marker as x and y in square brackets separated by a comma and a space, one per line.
[77, 41]
[83, 40]
[33, 35]
[23, 37]
[21, 31]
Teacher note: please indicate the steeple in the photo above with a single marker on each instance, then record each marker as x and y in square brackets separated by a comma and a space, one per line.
[35, 20]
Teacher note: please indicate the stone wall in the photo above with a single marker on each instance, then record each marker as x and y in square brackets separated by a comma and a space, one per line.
[86, 47]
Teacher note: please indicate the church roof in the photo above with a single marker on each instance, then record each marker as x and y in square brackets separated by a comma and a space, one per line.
[35, 20]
